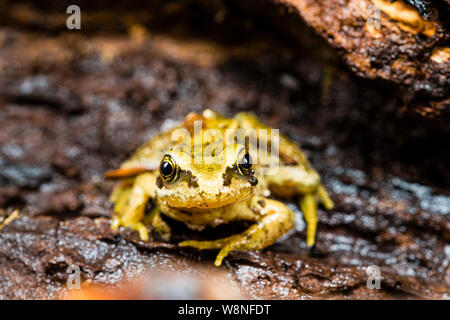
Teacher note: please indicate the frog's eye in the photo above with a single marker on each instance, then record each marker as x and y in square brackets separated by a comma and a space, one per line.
[244, 162]
[168, 169]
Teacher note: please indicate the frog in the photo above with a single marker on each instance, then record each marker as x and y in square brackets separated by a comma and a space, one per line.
[200, 174]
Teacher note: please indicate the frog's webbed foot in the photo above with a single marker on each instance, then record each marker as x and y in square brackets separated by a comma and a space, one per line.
[274, 219]
[226, 245]
[297, 178]
[308, 205]
[324, 197]
[136, 226]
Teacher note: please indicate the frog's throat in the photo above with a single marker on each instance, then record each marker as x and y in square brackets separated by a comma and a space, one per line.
[191, 210]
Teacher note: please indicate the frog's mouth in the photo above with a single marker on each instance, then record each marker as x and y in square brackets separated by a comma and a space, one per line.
[206, 195]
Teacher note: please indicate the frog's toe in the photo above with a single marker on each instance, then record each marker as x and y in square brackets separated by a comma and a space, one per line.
[143, 233]
[115, 223]
[226, 245]
[189, 243]
[138, 226]
[201, 245]
[161, 227]
[308, 206]
[165, 235]
[205, 245]
[222, 254]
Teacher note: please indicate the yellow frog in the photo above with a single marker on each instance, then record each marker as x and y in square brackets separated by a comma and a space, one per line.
[201, 173]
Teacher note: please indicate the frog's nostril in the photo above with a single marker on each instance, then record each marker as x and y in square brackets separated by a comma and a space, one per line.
[253, 181]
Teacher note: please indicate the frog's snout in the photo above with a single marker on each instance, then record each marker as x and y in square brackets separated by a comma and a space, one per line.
[207, 194]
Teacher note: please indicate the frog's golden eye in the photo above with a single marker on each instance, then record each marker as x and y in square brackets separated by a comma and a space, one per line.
[245, 162]
[168, 169]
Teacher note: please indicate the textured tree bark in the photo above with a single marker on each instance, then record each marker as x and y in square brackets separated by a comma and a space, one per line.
[404, 42]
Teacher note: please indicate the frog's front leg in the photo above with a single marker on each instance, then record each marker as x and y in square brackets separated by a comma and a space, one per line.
[298, 180]
[156, 221]
[273, 220]
[130, 202]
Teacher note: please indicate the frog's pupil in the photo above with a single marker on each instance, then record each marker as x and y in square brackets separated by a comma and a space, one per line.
[246, 162]
[166, 168]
